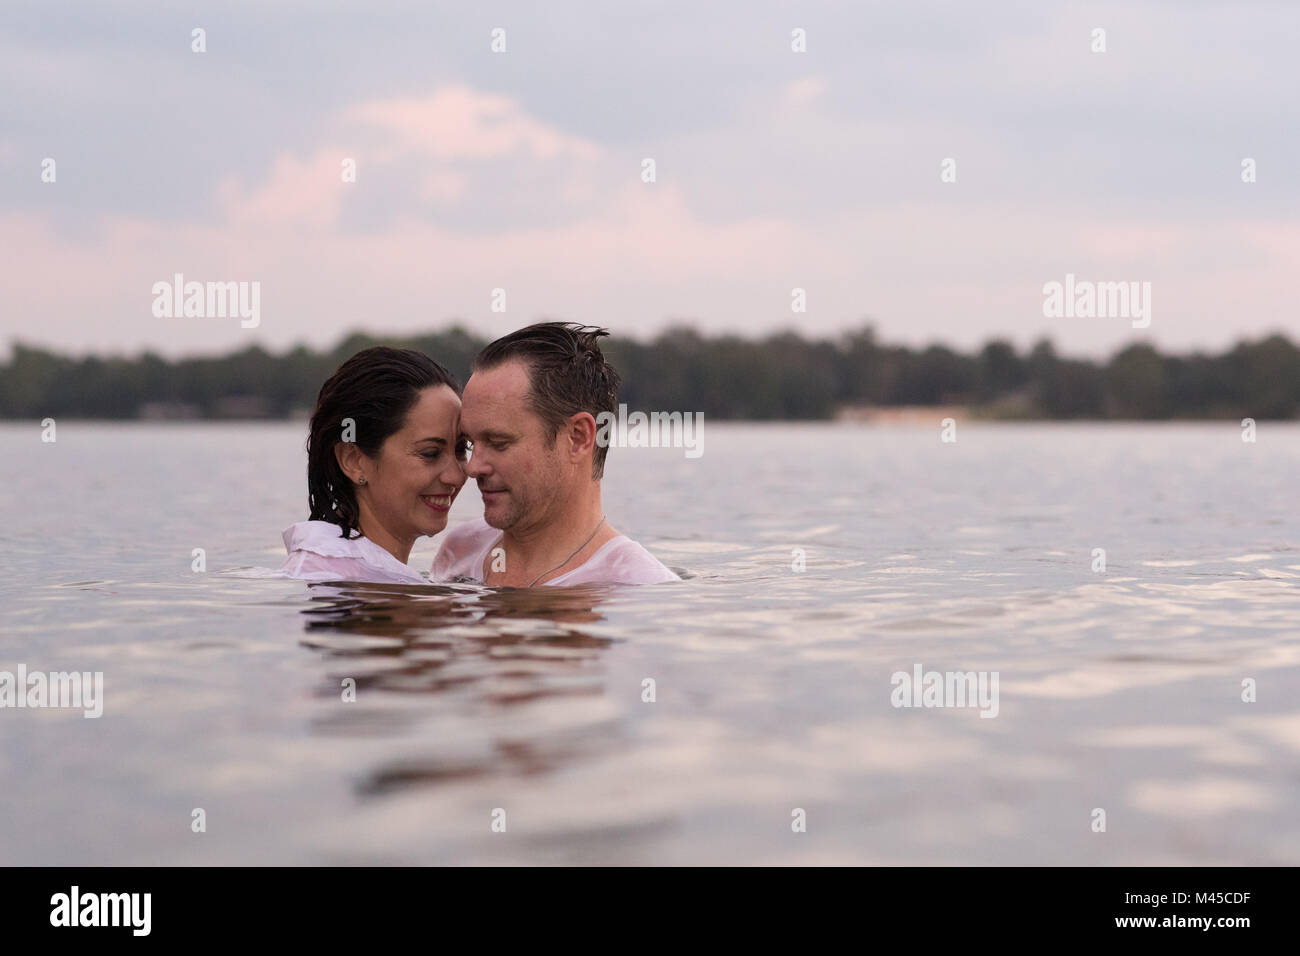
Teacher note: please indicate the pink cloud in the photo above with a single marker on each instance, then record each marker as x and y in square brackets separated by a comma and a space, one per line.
[301, 192]
[456, 122]
[619, 252]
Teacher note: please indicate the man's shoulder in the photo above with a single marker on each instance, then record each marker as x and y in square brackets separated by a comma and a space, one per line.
[469, 534]
[623, 561]
[461, 550]
[650, 566]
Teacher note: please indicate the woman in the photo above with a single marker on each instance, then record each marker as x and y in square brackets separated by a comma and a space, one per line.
[385, 459]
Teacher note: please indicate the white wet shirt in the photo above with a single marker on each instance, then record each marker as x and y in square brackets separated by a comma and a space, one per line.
[318, 553]
[619, 560]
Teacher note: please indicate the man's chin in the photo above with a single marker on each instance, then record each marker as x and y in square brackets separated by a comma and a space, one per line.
[497, 517]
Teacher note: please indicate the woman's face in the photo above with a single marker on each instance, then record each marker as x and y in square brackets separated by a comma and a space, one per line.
[419, 470]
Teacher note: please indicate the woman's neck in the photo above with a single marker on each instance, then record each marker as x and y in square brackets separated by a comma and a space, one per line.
[371, 528]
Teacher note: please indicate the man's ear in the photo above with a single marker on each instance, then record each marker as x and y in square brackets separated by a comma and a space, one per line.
[349, 457]
[582, 436]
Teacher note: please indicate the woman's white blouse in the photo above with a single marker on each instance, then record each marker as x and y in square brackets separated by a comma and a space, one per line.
[318, 553]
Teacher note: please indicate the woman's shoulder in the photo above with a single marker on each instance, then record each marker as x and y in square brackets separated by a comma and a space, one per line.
[321, 537]
[318, 550]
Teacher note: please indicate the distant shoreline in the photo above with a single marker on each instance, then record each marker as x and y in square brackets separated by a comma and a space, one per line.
[783, 377]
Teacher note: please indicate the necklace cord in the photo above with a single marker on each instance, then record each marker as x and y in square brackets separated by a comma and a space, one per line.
[570, 557]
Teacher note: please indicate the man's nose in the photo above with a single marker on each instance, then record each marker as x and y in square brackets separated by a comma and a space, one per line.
[476, 467]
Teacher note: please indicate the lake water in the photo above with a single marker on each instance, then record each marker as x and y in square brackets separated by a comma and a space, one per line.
[1118, 690]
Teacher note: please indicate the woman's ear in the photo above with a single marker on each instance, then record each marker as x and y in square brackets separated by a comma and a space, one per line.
[350, 458]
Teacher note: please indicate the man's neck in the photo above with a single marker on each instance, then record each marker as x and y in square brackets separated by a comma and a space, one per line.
[566, 533]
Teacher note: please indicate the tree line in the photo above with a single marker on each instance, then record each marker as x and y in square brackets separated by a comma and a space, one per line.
[782, 376]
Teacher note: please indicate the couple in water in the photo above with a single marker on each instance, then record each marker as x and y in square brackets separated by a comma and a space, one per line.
[393, 440]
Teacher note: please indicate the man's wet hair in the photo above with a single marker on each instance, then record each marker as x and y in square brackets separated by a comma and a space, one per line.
[567, 374]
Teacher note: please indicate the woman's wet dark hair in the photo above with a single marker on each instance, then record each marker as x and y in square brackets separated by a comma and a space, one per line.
[375, 388]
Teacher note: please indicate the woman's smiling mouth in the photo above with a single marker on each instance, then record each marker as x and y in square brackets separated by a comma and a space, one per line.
[437, 502]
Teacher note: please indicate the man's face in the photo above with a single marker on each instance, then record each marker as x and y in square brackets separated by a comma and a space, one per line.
[517, 465]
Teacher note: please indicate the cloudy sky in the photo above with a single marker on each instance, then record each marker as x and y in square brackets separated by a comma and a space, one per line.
[522, 169]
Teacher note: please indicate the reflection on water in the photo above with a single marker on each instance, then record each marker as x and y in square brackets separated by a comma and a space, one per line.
[461, 648]
[680, 723]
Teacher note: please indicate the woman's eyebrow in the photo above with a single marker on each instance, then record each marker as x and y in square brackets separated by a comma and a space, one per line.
[440, 441]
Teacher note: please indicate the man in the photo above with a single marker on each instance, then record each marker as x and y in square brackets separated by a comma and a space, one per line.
[529, 410]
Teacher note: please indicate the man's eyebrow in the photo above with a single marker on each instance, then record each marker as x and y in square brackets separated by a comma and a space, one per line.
[496, 436]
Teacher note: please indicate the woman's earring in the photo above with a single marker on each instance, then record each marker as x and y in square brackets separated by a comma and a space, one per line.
[361, 480]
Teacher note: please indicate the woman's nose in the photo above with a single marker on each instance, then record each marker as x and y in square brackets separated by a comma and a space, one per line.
[455, 475]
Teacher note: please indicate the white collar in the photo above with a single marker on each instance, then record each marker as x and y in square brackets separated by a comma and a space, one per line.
[323, 537]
